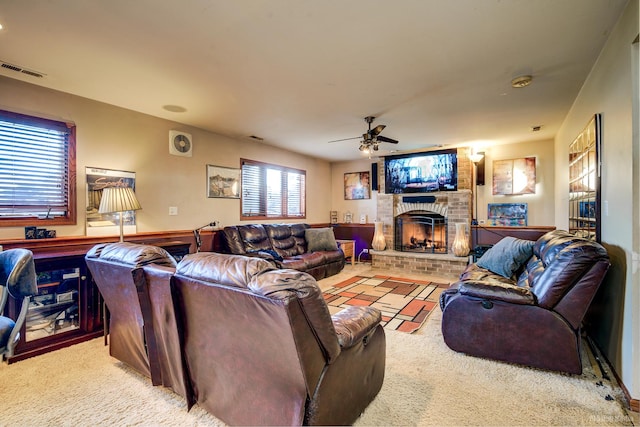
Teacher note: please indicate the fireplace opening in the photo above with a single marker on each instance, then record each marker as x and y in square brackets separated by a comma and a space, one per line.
[421, 232]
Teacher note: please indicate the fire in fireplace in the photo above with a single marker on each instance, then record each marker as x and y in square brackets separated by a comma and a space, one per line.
[421, 232]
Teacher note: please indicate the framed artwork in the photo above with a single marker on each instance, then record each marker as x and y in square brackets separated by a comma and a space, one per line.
[357, 186]
[509, 214]
[516, 176]
[98, 224]
[223, 182]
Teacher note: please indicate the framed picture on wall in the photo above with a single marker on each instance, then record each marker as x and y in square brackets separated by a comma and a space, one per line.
[223, 182]
[509, 214]
[515, 176]
[98, 224]
[357, 186]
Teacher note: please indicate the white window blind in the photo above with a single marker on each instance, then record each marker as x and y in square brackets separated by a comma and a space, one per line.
[272, 191]
[34, 167]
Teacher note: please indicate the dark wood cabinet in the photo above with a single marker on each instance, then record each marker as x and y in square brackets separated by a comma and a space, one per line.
[67, 309]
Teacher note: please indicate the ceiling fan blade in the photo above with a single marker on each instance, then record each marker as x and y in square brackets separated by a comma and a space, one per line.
[385, 139]
[376, 130]
[345, 139]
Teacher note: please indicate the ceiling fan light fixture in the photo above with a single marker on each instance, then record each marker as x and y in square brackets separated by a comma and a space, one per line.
[521, 81]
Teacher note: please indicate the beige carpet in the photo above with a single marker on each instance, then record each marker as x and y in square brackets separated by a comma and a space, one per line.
[425, 384]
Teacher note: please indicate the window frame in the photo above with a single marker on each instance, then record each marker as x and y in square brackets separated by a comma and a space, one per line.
[283, 200]
[71, 216]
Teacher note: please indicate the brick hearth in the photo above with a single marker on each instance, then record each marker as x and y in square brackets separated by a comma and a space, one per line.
[447, 266]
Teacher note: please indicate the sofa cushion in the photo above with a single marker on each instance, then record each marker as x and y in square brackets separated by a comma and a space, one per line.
[313, 259]
[294, 263]
[320, 239]
[507, 256]
[281, 240]
[255, 237]
[298, 233]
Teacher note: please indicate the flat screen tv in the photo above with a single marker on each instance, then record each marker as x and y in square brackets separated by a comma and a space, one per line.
[422, 172]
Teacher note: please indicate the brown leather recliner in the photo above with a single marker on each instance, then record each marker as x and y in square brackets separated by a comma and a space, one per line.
[262, 349]
[534, 320]
[146, 341]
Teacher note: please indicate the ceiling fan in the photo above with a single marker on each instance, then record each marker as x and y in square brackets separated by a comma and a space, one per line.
[370, 140]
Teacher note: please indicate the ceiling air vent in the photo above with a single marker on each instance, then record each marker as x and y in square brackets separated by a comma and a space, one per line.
[18, 69]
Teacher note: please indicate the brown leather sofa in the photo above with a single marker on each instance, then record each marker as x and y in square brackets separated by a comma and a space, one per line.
[534, 317]
[146, 342]
[285, 246]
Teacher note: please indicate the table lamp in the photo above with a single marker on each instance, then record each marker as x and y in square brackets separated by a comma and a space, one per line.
[118, 199]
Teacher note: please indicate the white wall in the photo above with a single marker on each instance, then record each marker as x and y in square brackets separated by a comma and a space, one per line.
[608, 90]
[110, 137]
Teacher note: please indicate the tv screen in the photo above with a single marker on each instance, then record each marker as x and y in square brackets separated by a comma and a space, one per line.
[422, 172]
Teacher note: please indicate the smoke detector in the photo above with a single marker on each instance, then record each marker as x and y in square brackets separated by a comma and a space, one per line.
[521, 81]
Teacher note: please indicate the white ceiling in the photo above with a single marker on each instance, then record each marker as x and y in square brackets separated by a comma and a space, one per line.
[300, 73]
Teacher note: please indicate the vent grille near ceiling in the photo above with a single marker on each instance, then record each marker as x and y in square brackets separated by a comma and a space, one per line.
[18, 69]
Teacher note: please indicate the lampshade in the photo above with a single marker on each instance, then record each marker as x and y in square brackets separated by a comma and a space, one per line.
[118, 199]
[476, 157]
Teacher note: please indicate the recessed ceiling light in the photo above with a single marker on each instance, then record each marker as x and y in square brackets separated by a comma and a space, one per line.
[521, 81]
[174, 108]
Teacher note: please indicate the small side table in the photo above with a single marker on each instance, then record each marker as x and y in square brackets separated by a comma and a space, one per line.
[348, 247]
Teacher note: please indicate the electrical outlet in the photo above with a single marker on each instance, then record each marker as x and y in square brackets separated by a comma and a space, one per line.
[365, 251]
[173, 210]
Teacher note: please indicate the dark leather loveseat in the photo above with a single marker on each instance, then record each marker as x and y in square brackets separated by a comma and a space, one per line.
[296, 246]
[534, 316]
[251, 344]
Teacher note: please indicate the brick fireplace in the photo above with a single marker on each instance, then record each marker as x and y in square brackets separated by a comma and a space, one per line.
[453, 206]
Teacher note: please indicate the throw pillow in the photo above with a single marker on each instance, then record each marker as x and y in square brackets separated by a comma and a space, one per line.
[507, 256]
[320, 239]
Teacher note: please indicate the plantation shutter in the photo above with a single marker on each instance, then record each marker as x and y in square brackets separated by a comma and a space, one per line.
[272, 191]
[296, 202]
[34, 172]
[251, 190]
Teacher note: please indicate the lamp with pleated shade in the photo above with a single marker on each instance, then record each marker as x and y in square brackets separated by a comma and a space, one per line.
[119, 199]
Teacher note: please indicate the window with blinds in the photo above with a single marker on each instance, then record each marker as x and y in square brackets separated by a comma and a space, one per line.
[37, 170]
[272, 191]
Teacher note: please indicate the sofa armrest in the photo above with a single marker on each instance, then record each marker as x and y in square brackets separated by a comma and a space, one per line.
[355, 323]
[497, 291]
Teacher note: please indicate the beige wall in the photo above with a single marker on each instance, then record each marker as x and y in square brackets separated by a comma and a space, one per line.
[356, 207]
[608, 90]
[115, 138]
[540, 204]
